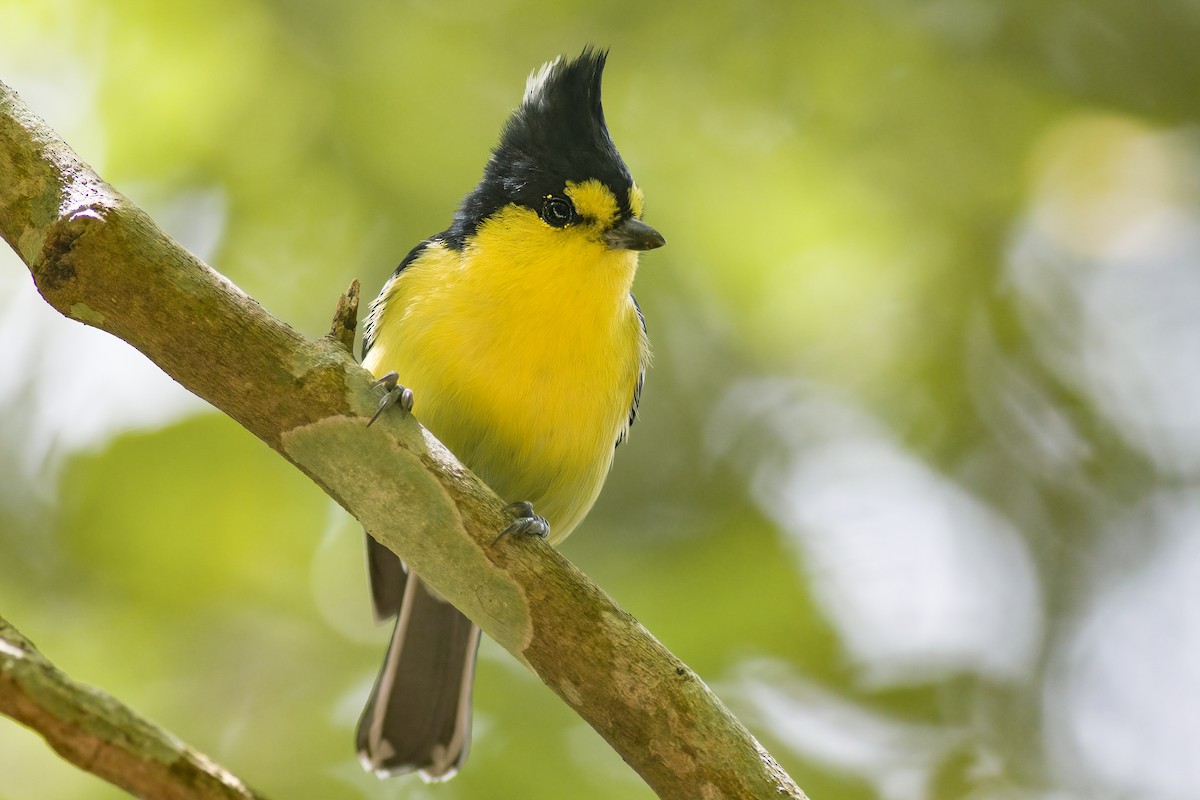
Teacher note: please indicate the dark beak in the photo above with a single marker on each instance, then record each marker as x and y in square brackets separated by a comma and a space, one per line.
[633, 234]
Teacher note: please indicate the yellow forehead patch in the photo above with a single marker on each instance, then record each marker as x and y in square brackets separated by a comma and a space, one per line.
[593, 199]
[637, 201]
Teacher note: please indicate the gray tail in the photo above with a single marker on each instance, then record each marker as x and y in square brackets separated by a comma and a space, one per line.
[419, 714]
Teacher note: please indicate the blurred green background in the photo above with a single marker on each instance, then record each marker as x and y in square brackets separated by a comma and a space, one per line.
[916, 485]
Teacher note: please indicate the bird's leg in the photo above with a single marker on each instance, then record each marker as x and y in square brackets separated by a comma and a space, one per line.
[394, 395]
[525, 522]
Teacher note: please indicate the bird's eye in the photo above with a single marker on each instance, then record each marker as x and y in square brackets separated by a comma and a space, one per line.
[558, 211]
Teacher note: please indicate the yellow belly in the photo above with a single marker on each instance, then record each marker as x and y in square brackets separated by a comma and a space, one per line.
[524, 368]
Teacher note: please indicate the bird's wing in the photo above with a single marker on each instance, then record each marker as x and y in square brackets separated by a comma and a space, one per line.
[370, 324]
[641, 378]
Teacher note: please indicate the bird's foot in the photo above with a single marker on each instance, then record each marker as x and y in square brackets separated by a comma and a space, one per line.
[525, 522]
[393, 395]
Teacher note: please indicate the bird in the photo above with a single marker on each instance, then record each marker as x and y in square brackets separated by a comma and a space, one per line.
[514, 337]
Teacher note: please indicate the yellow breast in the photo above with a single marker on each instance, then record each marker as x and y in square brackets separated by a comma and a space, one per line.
[523, 351]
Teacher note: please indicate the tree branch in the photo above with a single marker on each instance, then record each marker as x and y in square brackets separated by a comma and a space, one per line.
[100, 260]
[99, 734]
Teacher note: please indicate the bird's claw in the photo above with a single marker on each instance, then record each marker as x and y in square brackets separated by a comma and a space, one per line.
[394, 395]
[525, 522]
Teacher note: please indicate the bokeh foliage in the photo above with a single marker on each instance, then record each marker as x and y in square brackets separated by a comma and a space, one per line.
[917, 443]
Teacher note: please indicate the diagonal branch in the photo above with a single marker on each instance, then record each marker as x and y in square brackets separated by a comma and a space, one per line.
[97, 733]
[100, 260]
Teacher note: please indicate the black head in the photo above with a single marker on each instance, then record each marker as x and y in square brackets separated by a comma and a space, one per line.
[557, 135]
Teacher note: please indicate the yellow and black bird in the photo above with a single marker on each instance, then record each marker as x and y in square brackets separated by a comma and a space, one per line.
[516, 332]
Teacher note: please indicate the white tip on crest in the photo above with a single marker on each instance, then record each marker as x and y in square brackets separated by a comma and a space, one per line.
[537, 81]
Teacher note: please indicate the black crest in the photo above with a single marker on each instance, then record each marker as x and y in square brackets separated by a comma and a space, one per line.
[557, 135]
